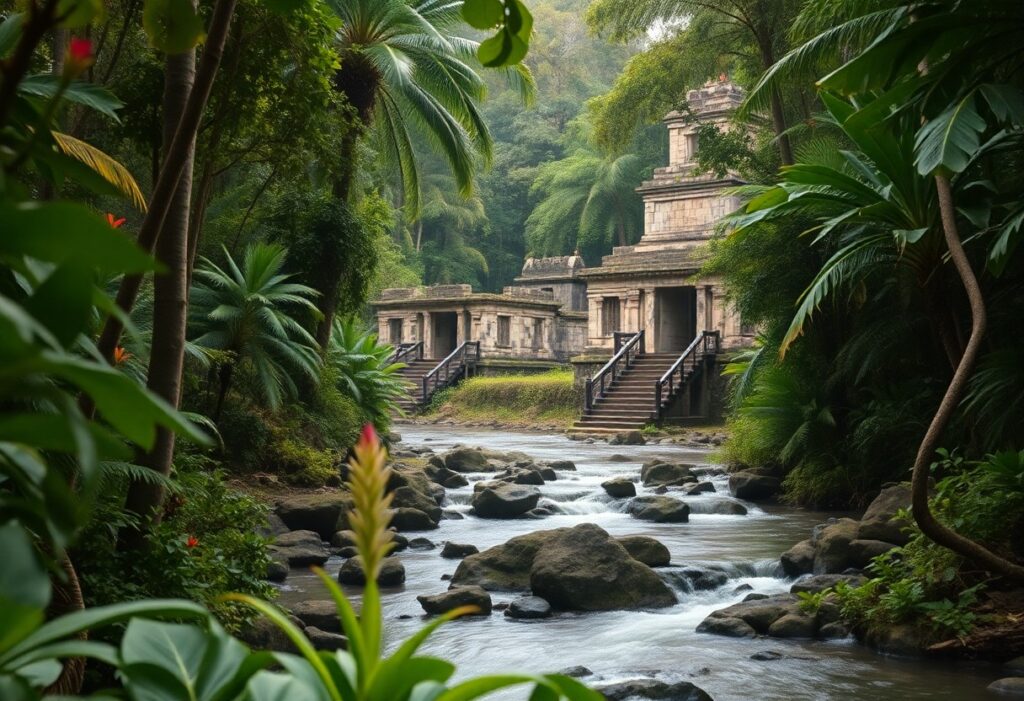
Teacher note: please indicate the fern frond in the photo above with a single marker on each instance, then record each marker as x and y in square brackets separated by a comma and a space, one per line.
[104, 165]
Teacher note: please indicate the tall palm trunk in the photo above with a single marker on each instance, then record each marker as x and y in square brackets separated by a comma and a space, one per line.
[775, 99]
[170, 288]
[929, 525]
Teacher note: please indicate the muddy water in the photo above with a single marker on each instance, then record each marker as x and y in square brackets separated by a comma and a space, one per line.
[618, 645]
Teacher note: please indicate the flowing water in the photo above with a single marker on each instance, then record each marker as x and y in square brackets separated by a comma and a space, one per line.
[625, 644]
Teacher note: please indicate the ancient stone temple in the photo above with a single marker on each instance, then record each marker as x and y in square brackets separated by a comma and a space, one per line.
[655, 284]
[535, 324]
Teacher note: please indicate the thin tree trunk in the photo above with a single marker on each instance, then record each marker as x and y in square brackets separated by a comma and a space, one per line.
[174, 163]
[67, 598]
[778, 112]
[620, 231]
[170, 291]
[926, 521]
[227, 371]
[252, 205]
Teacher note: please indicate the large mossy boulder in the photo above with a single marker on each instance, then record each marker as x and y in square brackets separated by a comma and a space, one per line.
[659, 509]
[323, 512]
[579, 569]
[504, 500]
[757, 615]
[648, 688]
[753, 487]
[880, 521]
[409, 519]
[799, 559]
[619, 488]
[467, 460]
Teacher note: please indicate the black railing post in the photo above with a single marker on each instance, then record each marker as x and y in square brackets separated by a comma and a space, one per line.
[588, 400]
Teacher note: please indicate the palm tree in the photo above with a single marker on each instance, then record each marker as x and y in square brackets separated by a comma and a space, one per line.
[447, 223]
[247, 314]
[588, 202]
[410, 79]
[364, 371]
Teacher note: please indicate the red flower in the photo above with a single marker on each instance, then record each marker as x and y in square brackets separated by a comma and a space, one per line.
[368, 437]
[191, 542]
[80, 49]
[79, 57]
[115, 223]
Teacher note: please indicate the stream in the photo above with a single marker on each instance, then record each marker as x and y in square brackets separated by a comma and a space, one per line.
[627, 644]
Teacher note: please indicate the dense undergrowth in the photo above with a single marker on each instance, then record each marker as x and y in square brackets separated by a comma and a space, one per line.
[547, 398]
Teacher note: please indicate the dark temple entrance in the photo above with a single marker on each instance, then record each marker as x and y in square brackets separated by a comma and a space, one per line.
[446, 333]
[675, 318]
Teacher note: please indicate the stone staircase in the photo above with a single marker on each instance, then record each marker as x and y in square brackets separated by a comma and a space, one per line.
[629, 401]
[414, 373]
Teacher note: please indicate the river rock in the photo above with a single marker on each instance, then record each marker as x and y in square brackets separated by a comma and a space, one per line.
[793, 625]
[300, 548]
[421, 544]
[528, 607]
[836, 630]
[903, 639]
[343, 539]
[727, 626]
[405, 518]
[619, 457]
[438, 493]
[645, 549]
[767, 656]
[627, 438]
[699, 578]
[456, 551]
[581, 568]
[576, 671]
[832, 546]
[619, 488]
[752, 486]
[821, 582]
[322, 512]
[392, 572]
[862, 552]
[701, 488]
[563, 465]
[759, 614]
[658, 509]
[413, 489]
[274, 526]
[653, 689]
[879, 521]
[1008, 686]
[585, 569]
[467, 460]
[505, 501]
[522, 476]
[326, 640]
[277, 568]
[449, 478]
[799, 559]
[664, 474]
[317, 613]
[1016, 666]
[718, 505]
[456, 597]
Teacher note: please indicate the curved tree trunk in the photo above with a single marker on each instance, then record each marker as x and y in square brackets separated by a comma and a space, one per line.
[170, 290]
[929, 525]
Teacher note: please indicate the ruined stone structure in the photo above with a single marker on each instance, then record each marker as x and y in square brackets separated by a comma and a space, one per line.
[536, 324]
[654, 284]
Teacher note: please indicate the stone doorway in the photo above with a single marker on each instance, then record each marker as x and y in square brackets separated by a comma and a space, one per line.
[446, 333]
[675, 318]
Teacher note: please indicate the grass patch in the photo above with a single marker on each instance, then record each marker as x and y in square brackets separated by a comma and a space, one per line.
[520, 400]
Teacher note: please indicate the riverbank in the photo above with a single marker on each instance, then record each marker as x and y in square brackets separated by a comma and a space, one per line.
[623, 644]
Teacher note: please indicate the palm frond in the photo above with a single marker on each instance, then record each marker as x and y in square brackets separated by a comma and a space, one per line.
[104, 165]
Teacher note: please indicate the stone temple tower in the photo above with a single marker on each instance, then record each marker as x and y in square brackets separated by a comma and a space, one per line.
[655, 284]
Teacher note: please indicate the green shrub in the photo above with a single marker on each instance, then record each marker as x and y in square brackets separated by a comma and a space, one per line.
[303, 465]
[207, 545]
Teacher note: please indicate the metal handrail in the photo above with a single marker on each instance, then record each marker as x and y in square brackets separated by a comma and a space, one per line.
[403, 350]
[708, 342]
[467, 354]
[622, 351]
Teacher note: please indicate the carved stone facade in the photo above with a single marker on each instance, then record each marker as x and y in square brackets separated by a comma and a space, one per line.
[532, 323]
[655, 284]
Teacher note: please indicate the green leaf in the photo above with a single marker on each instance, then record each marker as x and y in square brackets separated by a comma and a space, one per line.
[10, 32]
[1005, 101]
[24, 587]
[483, 14]
[65, 232]
[59, 629]
[97, 97]
[78, 13]
[173, 26]
[520, 23]
[61, 306]
[271, 686]
[948, 142]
